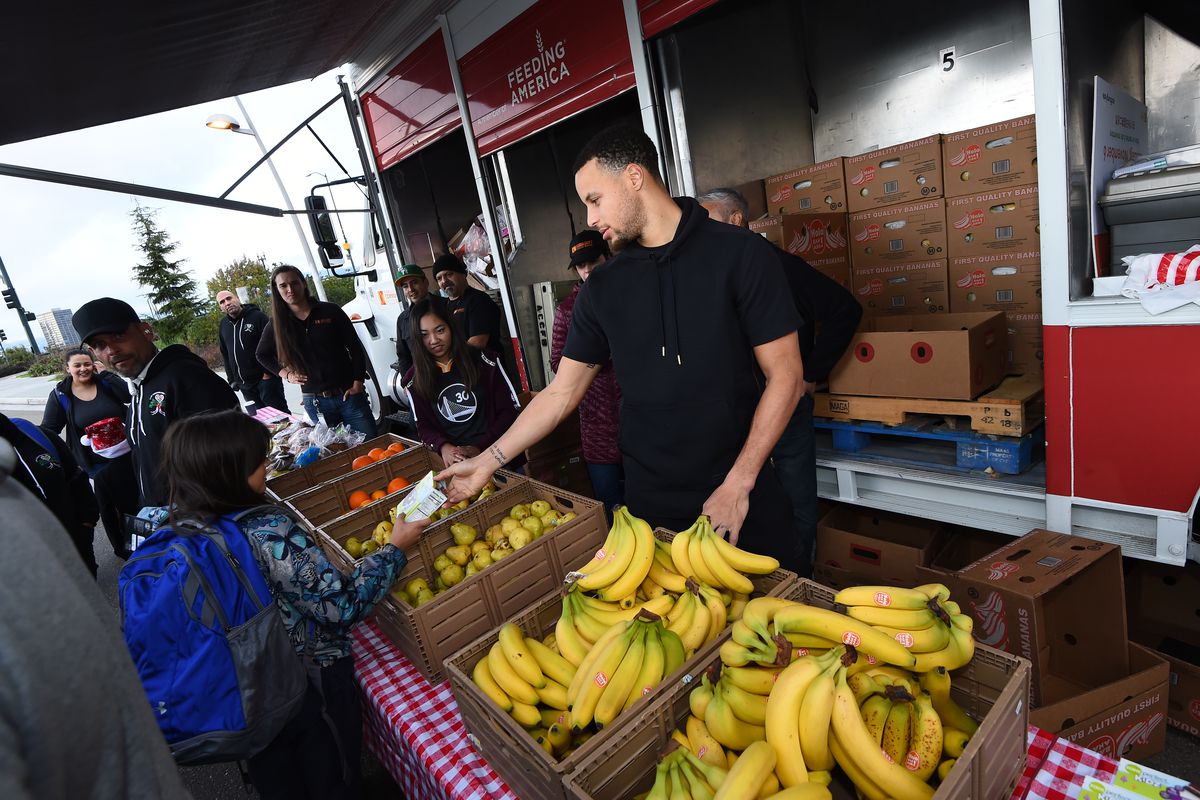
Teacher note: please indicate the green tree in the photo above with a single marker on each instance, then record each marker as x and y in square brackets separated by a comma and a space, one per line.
[339, 290]
[205, 328]
[249, 272]
[170, 288]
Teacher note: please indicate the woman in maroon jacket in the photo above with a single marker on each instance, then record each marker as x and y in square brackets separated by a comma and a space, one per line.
[460, 397]
[599, 411]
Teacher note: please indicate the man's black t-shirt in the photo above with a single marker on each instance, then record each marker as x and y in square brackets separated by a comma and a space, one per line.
[474, 313]
[680, 323]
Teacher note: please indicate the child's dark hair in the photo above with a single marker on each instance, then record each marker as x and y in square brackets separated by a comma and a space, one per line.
[208, 459]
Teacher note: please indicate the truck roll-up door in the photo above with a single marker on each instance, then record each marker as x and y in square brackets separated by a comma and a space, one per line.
[413, 105]
[658, 15]
[547, 64]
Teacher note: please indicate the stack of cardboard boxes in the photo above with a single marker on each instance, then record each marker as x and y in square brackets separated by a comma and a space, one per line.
[942, 224]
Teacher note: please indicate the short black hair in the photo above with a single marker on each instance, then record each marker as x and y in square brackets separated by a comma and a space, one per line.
[619, 146]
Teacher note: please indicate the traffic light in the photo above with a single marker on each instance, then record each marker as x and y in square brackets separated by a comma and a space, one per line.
[30, 316]
[10, 298]
[3, 336]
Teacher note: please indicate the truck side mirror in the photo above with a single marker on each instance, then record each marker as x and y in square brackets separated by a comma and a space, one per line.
[323, 234]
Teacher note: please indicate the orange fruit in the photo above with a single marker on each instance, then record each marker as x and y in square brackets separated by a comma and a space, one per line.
[361, 461]
[395, 447]
[378, 454]
[378, 494]
[358, 498]
[397, 484]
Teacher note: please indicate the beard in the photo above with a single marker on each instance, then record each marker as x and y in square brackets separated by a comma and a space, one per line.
[631, 228]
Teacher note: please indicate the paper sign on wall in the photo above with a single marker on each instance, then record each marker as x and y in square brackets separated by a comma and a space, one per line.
[1118, 137]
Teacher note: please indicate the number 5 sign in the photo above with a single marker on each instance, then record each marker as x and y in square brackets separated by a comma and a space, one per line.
[947, 59]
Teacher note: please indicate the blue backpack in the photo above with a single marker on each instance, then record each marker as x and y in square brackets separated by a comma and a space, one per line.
[208, 642]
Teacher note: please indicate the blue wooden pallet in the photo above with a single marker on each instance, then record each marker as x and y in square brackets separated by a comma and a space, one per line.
[1007, 455]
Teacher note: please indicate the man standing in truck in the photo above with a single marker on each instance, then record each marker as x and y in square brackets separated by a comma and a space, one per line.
[698, 320]
[824, 305]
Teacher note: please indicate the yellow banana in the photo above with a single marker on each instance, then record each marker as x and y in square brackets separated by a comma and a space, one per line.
[783, 712]
[858, 751]
[553, 694]
[963, 622]
[595, 604]
[616, 559]
[875, 713]
[837, 627]
[605, 554]
[760, 612]
[924, 738]
[823, 777]
[934, 591]
[679, 552]
[694, 635]
[654, 660]
[696, 787]
[553, 666]
[667, 579]
[551, 716]
[737, 605]
[482, 677]
[703, 744]
[512, 643]
[954, 742]
[683, 605]
[512, 683]
[559, 735]
[743, 561]
[597, 677]
[716, 612]
[957, 653]
[642, 537]
[743, 634]
[699, 698]
[541, 736]
[747, 776]
[809, 642]
[721, 569]
[769, 788]
[805, 791]
[726, 728]
[551, 642]
[590, 626]
[650, 589]
[674, 652]
[815, 712]
[944, 768]
[929, 640]
[896, 732]
[712, 774]
[681, 740]
[621, 682]
[864, 685]
[950, 607]
[747, 706]
[629, 601]
[757, 680]
[570, 644]
[677, 790]
[937, 683]
[527, 716]
[696, 557]
[866, 787]
[661, 790]
[581, 672]
[736, 655]
[907, 619]
[883, 597]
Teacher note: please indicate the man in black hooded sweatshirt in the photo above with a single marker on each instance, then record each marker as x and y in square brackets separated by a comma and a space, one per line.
[699, 322]
[241, 328]
[167, 385]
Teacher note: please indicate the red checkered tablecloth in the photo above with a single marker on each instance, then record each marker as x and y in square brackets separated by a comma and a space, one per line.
[1065, 767]
[414, 727]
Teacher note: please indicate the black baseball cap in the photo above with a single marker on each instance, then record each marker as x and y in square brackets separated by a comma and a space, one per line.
[448, 261]
[106, 315]
[587, 246]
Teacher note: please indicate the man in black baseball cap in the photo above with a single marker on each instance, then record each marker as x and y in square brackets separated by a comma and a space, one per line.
[588, 251]
[167, 385]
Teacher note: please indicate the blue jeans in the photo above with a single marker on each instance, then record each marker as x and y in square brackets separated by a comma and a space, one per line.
[795, 459]
[608, 485]
[355, 411]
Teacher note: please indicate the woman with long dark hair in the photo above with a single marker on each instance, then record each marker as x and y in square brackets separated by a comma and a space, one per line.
[313, 343]
[216, 466]
[460, 396]
[87, 396]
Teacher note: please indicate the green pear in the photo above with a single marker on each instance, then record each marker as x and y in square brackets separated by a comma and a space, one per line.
[519, 512]
[460, 554]
[452, 575]
[538, 508]
[522, 537]
[441, 562]
[463, 533]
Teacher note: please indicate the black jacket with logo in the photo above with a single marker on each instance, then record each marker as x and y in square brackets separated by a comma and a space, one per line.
[55, 478]
[176, 384]
[239, 339]
[334, 356]
[680, 323]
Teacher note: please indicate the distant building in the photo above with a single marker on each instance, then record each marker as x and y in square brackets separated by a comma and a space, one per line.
[57, 328]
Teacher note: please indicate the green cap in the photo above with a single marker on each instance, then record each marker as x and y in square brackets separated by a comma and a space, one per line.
[409, 271]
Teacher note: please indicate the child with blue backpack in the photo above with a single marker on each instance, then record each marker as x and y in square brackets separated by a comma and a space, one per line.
[216, 469]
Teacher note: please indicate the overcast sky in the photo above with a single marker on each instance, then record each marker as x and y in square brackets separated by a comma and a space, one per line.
[63, 245]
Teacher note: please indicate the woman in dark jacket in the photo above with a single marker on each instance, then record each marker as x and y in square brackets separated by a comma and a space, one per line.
[84, 397]
[460, 396]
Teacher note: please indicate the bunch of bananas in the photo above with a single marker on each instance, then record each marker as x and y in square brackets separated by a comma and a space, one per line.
[683, 774]
[924, 620]
[700, 553]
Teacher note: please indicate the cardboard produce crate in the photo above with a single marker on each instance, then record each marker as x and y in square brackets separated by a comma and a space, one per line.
[903, 173]
[432, 633]
[330, 467]
[809, 189]
[527, 769]
[993, 157]
[330, 500]
[862, 546]
[993, 688]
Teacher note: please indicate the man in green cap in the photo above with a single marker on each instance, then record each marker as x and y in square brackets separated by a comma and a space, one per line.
[412, 282]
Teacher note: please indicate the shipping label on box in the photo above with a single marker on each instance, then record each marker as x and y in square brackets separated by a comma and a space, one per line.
[1057, 600]
[919, 287]
[940, 356]
[770, 228]
[814, 188]
[1002, 221]
[898, 234]
[992, 157]
[1008, 282]
[903, 173]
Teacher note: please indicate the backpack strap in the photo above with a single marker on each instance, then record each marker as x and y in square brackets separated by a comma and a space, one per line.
[34, 432]
[62, 400]
[216, 535]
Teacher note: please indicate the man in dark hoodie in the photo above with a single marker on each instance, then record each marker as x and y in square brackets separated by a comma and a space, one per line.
[698, 320]
[821, 301]
[241, 328]
[166, 385]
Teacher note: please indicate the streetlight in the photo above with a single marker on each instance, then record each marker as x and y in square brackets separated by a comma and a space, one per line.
[224, 122]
